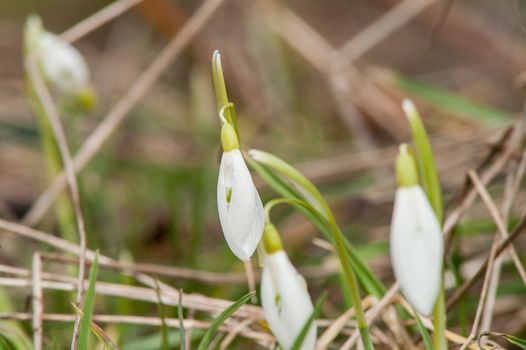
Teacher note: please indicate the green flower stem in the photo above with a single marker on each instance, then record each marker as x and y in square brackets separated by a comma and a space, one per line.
[284, 168]
[271, 239]
[431, 184]
[277, 201]
[293, 174]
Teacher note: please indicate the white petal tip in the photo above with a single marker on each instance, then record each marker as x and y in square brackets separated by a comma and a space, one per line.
[243, 256]
[216, 57]
[408, 106]
[424, 307]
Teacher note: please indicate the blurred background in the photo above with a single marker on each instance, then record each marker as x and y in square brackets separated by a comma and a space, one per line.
[316, 83]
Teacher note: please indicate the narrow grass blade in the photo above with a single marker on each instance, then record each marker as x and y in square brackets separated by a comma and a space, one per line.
[162, 316]
[452, 103]
[89, 304]
[298, 342]
[207, 338]
[182, 332]
[518, 342]
[423, 333]
[98, 332]
[12, 337]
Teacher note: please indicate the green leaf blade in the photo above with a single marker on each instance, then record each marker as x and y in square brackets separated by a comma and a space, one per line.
[89, 305]
[214, 327]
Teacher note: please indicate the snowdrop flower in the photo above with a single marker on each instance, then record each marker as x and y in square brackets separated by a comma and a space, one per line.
[62, 65]
[416, 239]
[240, 210]
[284, 296]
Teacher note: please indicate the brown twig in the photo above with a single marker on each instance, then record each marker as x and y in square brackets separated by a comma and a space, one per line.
[38, 302]
[517, 230]
[182, 273]
[499, 222]
[98, 19]
[483, 294]
[508, 142]
[250, 278]
[325, 58]
[167, 291]
[511, 188]
[371, 316]
[178, 273]
[143, 321]
[388, 23]
[191, 301]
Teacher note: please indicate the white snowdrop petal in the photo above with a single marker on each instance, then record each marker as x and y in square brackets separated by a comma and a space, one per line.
[240, 209]
[62, 64]
[286, 301]
[416, 248]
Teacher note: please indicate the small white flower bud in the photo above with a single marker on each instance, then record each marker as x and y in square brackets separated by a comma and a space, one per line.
[416, 248]
[240, 209]
[286, 301]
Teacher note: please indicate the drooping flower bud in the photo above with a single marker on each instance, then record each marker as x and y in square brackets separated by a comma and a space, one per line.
[240, 209]
[416, 239]
[62, 65]
[286, 302]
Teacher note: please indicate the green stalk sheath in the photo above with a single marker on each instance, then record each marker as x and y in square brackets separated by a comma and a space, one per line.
[220, 92]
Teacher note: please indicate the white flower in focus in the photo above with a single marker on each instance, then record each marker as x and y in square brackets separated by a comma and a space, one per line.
[240, 209]
[416, 240]
[62, 65]
[286, 301]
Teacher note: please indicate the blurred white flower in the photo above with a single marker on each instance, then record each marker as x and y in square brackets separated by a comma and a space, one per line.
[62, 65]
[286, 301]
[240, 210]
[416, 248]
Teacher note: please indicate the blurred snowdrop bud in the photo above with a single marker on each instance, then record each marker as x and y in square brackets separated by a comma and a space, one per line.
[62, 65]
[284, 297]
[240, 210]
[416, 238]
